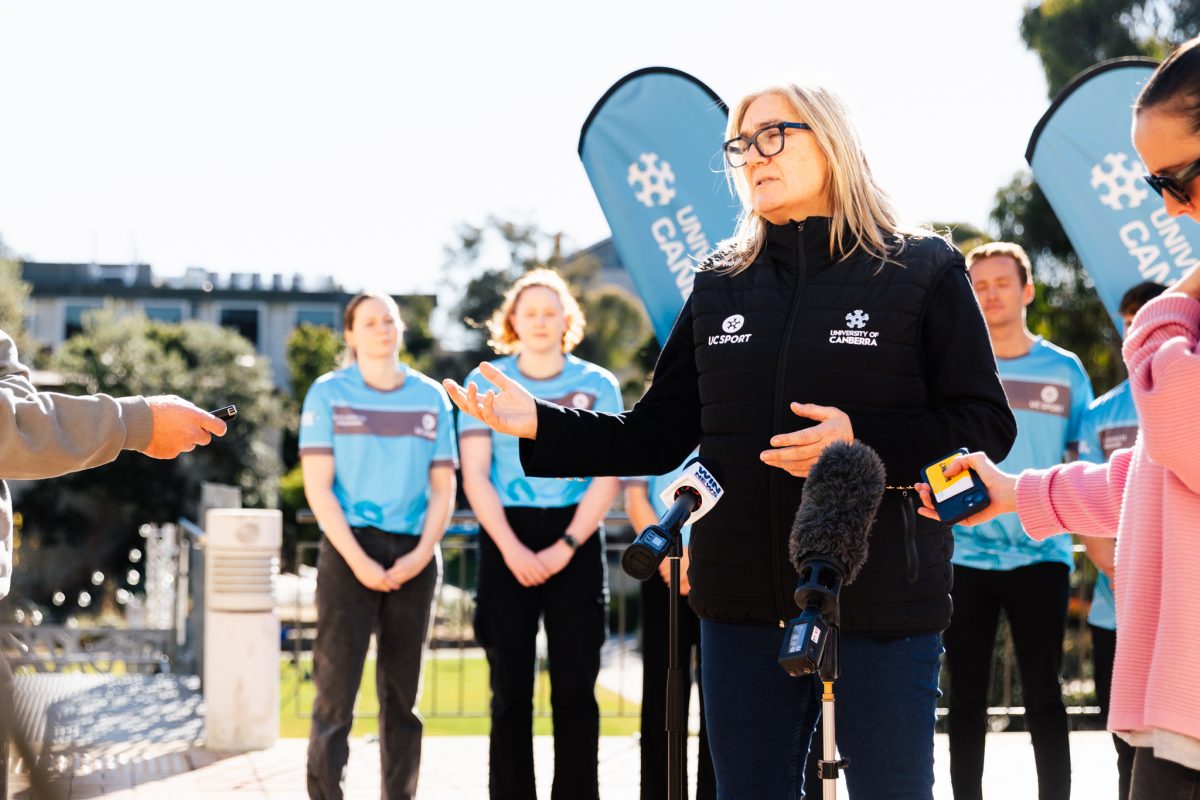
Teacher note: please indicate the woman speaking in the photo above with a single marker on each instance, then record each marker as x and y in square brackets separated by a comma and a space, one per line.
[820, 320]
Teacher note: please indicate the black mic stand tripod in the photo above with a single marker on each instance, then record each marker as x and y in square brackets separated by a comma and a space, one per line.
[676, 723]
[641, 560]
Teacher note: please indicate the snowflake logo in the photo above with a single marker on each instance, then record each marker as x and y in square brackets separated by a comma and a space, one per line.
[428, 422]
[857, 318]
[1049, 394]
[733, 324]
[655, 180]
[579, 400]
[1119, 181]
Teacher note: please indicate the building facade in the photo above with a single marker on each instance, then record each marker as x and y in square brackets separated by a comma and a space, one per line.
[265, 310]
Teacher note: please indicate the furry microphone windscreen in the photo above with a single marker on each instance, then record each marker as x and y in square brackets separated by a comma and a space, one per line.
[841, 496]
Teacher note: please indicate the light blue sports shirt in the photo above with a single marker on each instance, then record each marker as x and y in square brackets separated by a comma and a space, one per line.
[582, 385]
[1111, 424]
[382, 442]
[1048, 391]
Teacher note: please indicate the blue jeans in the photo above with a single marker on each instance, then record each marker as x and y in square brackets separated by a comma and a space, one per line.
[760, 720]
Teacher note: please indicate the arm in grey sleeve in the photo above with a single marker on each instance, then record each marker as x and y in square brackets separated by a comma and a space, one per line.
[44, 434]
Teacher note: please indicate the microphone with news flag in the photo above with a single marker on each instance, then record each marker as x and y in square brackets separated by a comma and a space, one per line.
[688, 498]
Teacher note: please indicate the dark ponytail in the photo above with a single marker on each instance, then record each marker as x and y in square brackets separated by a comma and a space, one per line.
[1175, 85]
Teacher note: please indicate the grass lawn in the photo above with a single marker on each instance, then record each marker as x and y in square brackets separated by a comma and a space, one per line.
[451, 686]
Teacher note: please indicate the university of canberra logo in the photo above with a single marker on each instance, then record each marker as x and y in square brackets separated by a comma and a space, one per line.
[655, 180]
[1120, 186]
[854, 332]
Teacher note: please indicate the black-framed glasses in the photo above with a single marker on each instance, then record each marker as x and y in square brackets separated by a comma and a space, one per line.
[768, 141]
[1175, 183]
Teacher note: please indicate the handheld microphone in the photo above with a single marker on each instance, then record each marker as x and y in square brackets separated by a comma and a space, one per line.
[828, 547]
[689, 497]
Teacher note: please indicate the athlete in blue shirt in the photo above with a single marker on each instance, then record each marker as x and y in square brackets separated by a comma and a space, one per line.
[1111, 424]
[378, 451]
[645, 508]
[996, 566]
[541, 557]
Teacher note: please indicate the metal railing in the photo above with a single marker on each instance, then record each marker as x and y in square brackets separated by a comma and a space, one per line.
[453, 638]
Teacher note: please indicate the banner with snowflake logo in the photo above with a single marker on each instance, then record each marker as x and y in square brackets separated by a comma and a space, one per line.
[652, 150]
[1082, 158]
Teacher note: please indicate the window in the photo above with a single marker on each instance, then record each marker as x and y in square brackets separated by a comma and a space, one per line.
[164, 313]
[317, 316]
[73, 314]
[242, 320]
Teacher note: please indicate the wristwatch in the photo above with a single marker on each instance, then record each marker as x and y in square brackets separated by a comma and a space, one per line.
[571, 541]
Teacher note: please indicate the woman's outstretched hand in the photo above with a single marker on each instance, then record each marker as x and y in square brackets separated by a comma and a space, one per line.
[1002, 488]
[507, 409]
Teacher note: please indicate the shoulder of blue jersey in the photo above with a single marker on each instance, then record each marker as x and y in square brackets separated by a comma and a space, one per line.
[331, 377]
[1117, 394]
[1052, 349]
[426, 382]
[595, 370]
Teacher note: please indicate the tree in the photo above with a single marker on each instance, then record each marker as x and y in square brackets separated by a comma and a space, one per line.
[94, 516]
[311, 351]
[14, 294]
[617, 330]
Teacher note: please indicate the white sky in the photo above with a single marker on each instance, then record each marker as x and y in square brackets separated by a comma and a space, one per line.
[349, 138]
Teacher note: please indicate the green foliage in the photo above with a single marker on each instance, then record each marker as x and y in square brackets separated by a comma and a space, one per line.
[419, 342]
[1072, 35]
[14, 293]
[964, 235]
[97, 513]
[291, 500]
[311, 351]
[617, 329]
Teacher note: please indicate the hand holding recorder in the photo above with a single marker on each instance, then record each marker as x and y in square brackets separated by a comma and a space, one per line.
[1000, 486]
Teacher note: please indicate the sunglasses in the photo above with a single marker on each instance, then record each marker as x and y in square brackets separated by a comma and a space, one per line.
[1174, 183]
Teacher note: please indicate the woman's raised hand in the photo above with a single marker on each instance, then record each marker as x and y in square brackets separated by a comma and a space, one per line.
[507, 409]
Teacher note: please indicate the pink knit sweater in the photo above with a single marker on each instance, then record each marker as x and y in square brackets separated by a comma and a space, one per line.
[1149, 498]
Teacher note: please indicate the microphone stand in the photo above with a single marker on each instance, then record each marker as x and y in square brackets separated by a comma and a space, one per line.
[676, 722]
[830, 765]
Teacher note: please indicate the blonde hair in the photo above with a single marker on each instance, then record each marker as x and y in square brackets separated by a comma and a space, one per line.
[503, 337]
[1008, 250]
[347, 357]
[863, 215]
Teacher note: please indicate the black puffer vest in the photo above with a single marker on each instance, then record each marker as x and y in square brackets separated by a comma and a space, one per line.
[799, 327]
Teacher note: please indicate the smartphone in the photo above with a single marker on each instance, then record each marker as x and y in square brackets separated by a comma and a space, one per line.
[227, 413]
[958, 497]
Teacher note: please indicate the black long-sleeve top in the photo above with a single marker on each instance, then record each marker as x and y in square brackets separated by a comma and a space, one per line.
[900, 347]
